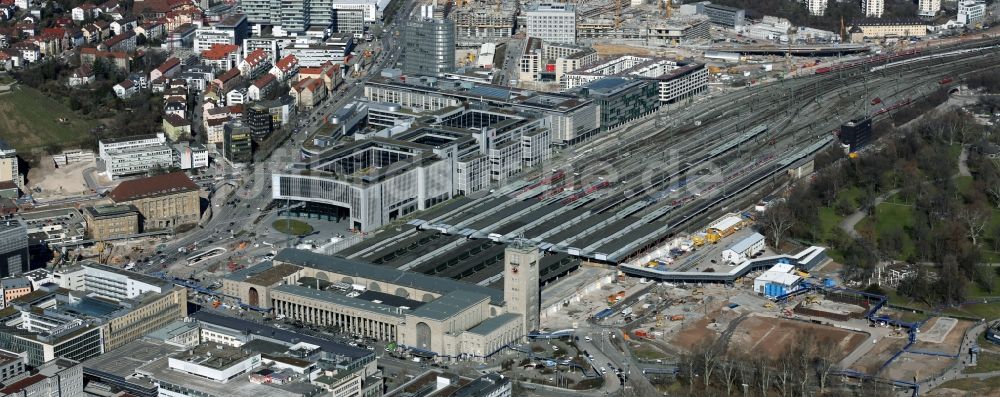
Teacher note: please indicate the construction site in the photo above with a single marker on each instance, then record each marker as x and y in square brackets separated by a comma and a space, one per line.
[617, 21]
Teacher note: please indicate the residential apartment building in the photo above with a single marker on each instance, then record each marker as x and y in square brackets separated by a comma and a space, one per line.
[106, 222]
[816, 7]
[164, 201]
[551, 22]
[928, 8]
[873, 8]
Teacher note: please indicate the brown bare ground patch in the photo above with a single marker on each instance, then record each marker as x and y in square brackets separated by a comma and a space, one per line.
[878, 355]
[773, 337]
[952, 341]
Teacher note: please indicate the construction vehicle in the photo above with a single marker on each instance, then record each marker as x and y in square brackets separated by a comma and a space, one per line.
[713, 236]
[216, 303]
[677, 317]
[612, 299]
[769, 305]
[640, 333]
[659, 320]
[697, 292]
[812, 300]
[802, 273]
[698, 239]
[621, 294]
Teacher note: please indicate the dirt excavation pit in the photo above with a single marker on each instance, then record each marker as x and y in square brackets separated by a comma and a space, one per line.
[773, 337]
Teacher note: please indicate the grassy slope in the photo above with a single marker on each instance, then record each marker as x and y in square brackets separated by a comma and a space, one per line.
[29, 119]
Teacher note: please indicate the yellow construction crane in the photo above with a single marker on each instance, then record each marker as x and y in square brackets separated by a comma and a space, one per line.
[667, 7]
[659, 320]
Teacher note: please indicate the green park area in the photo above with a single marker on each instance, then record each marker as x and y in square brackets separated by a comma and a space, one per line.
[292, 227]
[31, 120]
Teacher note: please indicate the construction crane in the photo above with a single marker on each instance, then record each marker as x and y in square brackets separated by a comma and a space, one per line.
[659, 320]
[618, 14]
[667, 8]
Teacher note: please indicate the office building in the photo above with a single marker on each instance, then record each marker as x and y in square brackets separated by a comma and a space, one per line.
[53, 322]
[429, 316]
[551, 22]
[13, 247]
[428, 45]
[460, 151]
[8, 165]
[12, 288]
[349, 21]
[571, 118]
[61, 377]
[133, 155]
[545, 62]
[725, 16]
[109, 222]
[676, 80]
[257, 117]
[873, 8]
[855, 134]
[971, 12]
[138, 160]
[371, 9]
[238, 142]
[209, 355]
[189, 155]
[12, 365]
[622, 100]
[164, 201]
[230, 31]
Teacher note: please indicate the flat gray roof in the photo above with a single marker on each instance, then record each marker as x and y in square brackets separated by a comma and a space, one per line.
[446, 306]
[339, 299]
[142, 278]
[493, 323]
[348, 267]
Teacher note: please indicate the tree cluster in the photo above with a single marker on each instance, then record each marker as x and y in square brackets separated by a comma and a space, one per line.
[807, 368]
[917, 168]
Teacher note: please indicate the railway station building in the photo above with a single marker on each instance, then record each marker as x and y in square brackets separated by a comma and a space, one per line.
[433, 316]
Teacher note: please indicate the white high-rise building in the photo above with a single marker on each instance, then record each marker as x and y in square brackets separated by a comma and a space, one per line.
[552, 22]
[873, 8]
[928, 8]
[816, 7]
